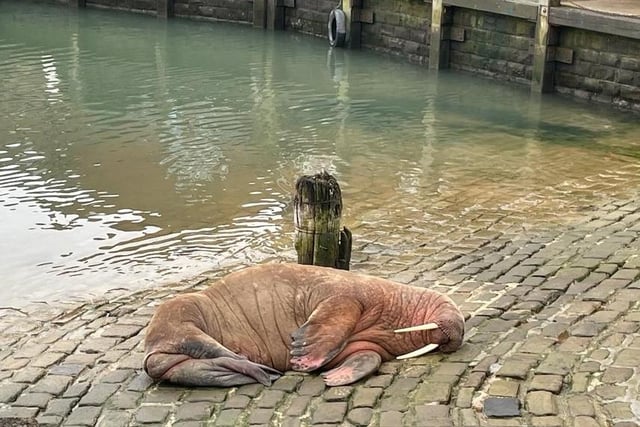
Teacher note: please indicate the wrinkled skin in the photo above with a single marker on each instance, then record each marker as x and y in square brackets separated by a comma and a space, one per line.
[253, 324]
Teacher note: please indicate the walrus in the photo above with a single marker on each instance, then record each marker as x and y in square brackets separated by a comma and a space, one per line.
[253, 324]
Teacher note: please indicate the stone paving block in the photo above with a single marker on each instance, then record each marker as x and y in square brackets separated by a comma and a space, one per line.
[35, 400]
[619, 410]
[432, 415]
[85, 416]
[77, 389]
[504, 388]
[433, 392]
[615, 375]
[475, 380]
[391, 418]
[251, 390]
[47, 421]
[541, 403]
[163, 394]
[52, 384]
[360, 416]
[228, 417]
[69, 369]
[556, 364]
[149, 414]
[47, 359]
[575, 345]
[260, 416]
[28, 375]
[610, 392]
[500, 407]
[547, 421]
[238, 401]
[314, 385]
[516, 367]
[329, 412]
[21, 413]
[112, 418]
[581, 405]
[10, 392]
[121, 331]
[588, 329]
[270, 398]
[628, 358]
[117, 376]
[287, 383]
[124, 400]
[98, 394]
[537, 344]
[464, 397]
[299, 404]
[337, 394]
[60, 407]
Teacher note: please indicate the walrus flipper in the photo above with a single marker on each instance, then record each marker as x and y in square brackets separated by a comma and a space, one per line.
[355, 367]
[324, 335]
[220, 372]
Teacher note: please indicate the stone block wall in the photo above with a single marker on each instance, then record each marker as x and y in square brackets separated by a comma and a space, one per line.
[309, 16]
[144, 6]
[226, 10]
[605, 67]
[400, 27]
[496, 45]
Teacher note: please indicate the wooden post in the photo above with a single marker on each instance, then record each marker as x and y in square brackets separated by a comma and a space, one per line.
[317, 210]
[543, 64]
[351, 9]
[275, 15]
[164, 8]
[78, 3]
[438, 44]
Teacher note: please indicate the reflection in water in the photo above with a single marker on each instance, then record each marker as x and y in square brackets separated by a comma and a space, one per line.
[136, 151]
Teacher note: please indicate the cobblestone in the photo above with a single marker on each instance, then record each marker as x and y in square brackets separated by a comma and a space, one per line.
[553, 339]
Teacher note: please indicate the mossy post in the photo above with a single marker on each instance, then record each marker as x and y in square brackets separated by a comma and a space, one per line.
[317, 211]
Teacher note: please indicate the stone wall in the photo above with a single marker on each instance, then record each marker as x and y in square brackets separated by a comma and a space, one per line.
[226, 10]
[144, 6]
[496, 45]
[309, 16]
[400, 27]
[605, 68]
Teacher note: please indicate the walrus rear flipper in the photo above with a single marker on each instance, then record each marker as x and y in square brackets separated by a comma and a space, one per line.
[220, 372]
[355, 367]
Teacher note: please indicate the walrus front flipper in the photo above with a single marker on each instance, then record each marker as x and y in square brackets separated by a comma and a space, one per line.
[355, 367]
[324, 335]
[220, 372]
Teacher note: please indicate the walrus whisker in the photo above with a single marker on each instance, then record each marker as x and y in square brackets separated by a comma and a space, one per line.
[419, 352]
[425, 327]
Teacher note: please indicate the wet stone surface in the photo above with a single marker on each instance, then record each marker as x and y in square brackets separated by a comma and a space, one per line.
[553, 339]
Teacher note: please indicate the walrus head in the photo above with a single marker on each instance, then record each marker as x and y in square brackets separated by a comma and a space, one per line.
[445, 333]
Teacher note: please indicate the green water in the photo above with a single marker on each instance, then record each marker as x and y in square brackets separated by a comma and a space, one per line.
[135, 151]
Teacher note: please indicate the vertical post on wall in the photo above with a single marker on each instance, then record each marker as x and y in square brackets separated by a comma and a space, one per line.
[351, 9]
[439, 44]
[546, 36]
[275, 14]
[77, 3]
[164, 8]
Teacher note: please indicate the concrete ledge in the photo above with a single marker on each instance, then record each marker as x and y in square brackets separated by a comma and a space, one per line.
[624, 26]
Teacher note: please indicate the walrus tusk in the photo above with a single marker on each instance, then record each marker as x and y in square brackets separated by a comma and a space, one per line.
[425, 327]
[419, 352]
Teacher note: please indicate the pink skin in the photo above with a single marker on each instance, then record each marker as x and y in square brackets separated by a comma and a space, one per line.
[252, 324]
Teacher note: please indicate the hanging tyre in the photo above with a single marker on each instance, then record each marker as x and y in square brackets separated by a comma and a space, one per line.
[337, 28]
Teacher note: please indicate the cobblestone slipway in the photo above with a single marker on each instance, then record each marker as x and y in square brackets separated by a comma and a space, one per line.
[553, 339]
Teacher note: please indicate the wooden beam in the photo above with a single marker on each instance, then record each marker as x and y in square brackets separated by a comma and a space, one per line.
[275, 14]
[438, 44]
[78, 3]
[521, 9]
[624, 26]
[543, 63]
[164, 8]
